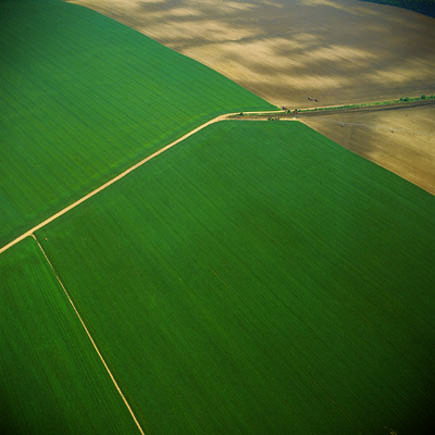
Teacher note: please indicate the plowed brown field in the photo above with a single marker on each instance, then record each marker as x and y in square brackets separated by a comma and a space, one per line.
[402, 141]
[335, 51]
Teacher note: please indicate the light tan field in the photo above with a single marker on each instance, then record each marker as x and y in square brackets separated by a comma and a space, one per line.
[337, 51]
[402, 141]
[292, 52]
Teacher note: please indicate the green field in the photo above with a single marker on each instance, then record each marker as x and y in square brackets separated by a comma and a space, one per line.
[51, 380]
[84, 97]
[258, 278]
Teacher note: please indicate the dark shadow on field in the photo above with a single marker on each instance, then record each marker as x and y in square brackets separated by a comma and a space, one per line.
[419, 418]
[7, 424]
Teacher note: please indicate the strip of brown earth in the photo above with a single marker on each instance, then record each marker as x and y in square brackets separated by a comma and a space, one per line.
[371, 108]
[402, 141]
[330, 110]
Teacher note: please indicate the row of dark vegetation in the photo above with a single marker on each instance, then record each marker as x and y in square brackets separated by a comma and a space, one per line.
[371, 104]
[426, 7]
[343, 107]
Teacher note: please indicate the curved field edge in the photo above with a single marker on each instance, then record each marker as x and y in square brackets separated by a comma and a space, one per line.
[295, 53]
[257, 275]
[51, 380]
[402, 141]
[83, 106]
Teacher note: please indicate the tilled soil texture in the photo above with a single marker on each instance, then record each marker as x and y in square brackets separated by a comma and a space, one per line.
[297, 53]
[402, 141]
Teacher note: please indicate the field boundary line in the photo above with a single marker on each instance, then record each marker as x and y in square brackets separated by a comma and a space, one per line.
[90, 337]
[235, 116]
[119, 177]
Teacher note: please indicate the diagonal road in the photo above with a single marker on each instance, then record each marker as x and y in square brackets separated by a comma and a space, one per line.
[261, 115]
[120, 176]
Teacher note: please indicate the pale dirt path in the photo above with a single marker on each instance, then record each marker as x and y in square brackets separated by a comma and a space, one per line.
[31, 231]
[226, 116]
[90, 337]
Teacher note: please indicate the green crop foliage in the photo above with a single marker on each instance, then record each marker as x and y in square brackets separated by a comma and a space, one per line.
[259, 279]
[84, 97]
[51, 379]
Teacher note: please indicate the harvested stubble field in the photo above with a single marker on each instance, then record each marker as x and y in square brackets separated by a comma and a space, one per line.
[403, 141]
[84, 97]
[259, 278]
[51, 380]
[337, 51]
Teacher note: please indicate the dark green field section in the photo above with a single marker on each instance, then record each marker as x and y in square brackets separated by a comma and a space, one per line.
[426, 7]
[259, 279]
[51, 380]
[84, 97]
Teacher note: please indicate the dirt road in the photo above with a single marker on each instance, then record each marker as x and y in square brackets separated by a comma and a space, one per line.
[422, 175]
[104, 186]
[332, 110]
[379, 108]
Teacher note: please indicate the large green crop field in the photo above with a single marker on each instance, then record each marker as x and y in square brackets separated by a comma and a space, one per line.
[259, 279]
[51, 380]
[83, 97]
[255, 279]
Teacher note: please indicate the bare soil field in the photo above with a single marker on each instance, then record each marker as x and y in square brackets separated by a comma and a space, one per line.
[402, 141]
[287, 51]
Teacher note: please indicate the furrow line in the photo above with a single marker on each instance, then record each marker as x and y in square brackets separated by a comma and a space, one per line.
[90, 337]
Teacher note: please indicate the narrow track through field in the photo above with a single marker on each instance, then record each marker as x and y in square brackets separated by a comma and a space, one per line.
[109, 372]
[246, 116]
[31, 231]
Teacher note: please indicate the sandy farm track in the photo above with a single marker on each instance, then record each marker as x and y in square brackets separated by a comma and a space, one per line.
[285, 51]
[402, 141]
[118, 177]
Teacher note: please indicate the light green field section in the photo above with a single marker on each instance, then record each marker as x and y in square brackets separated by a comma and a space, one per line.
[84, 97]
[260, 279]
[51, 380]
